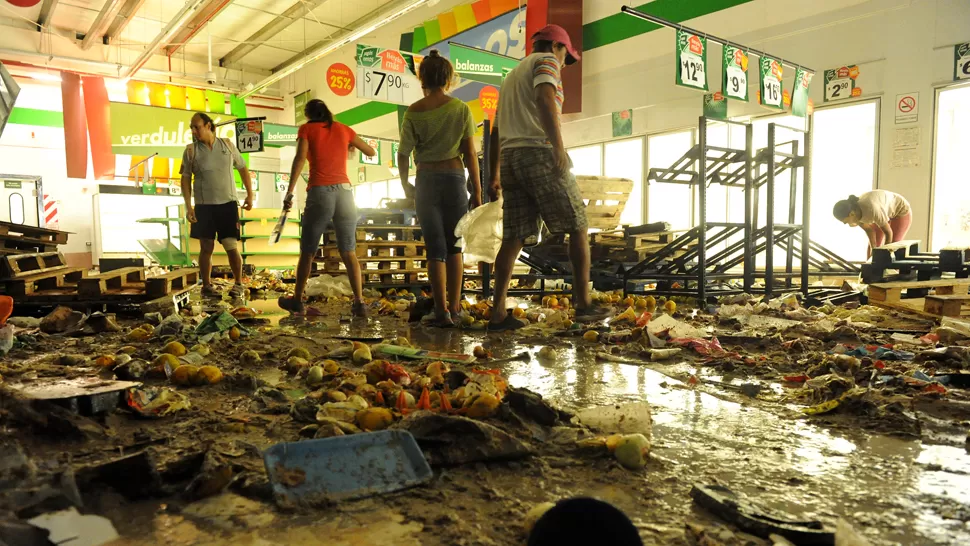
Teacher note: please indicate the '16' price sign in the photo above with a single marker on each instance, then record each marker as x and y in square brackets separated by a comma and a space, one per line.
[691, 60]
[771, 78]
[249, 136]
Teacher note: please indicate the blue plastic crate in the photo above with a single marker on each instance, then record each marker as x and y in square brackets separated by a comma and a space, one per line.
[345, 467]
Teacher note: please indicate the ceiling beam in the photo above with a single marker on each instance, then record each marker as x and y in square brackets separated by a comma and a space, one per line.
[105, 18]
[175, 25]
[203, 15]
[274, 27]
[46, 12]
[125, 15]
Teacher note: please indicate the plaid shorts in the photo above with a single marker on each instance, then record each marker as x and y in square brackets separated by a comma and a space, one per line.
[534, 191]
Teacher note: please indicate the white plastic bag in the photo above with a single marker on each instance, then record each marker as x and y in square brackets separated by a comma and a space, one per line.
[480, 233]
[329, 286]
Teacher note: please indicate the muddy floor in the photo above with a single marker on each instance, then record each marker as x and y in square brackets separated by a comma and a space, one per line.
[892, 485]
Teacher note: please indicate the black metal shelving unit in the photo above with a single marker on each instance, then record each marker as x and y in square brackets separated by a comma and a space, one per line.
[693, 264]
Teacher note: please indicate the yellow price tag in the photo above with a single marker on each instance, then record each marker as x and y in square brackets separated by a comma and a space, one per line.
[262, 221]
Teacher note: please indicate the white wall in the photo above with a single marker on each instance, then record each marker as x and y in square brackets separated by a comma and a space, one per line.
[901, 46]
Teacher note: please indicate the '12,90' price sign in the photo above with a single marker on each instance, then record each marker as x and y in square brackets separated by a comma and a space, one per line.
[249, 136]
[691, 60]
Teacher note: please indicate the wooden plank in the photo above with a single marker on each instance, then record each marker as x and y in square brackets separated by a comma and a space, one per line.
[22, 265]
[613, 185]
[913, 307]
[922, 284]
[95, 286]
[899, 244]
[172, 281]
[44, 281]
[947, 306]
[52, 236]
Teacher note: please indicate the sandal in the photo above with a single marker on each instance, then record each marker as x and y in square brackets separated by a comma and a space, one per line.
[508, 323]
[433, 320]
[290, 304]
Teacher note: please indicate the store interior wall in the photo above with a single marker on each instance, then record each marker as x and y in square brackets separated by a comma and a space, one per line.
[901, 46]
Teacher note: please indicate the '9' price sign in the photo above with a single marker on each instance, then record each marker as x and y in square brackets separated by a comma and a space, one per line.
[735, 73]
[488, 99]
[771, 78]
[691, 60]
[340, 79]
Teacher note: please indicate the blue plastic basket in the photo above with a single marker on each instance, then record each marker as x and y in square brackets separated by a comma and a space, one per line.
[345, 467]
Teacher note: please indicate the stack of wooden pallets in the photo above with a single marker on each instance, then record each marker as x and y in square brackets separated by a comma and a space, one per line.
[390, 250]
[931, 299]
[616, 245]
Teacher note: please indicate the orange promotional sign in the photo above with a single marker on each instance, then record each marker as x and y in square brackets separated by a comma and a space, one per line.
[340, 79]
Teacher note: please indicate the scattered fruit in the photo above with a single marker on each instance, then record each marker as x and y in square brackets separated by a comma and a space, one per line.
[148, 328]
[628, 301]
[518, 312]
[294, 364]
[651, 303]
[362, 355]
[314, 376]
[480, 352]
[564, 302]
[200, 349]
[208, 375]
[105, 361]
[336, 396]
[372, 419]
[166, 359]
[299, 352]
[553, 302]
[234, 333]
[626, 316]
[631, 451]
[547, 353]
[402, 342]
[184, 375]
[138, 335]
[330, 366]
[481, 405]
[174, 348]
[249, 358]
[128, 350]
[670, 307]
[591, 336]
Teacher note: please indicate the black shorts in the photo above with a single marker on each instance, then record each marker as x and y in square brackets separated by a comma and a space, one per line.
[216, 222]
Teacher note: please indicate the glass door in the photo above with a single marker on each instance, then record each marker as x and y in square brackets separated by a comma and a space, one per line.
[951, 202]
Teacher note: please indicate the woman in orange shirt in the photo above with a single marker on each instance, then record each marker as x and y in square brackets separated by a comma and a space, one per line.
[325, 143]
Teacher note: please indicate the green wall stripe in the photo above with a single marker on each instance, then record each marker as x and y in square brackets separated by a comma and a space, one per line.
[621, 26]
[41, 118]
[407, 41]
[365, 112]
[420, 40]
[432, 31]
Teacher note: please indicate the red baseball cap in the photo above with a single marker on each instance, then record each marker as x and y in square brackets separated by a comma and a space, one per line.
[555, 33]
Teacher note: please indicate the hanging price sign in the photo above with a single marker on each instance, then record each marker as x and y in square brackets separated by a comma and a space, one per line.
[340, 79]
[799, 101]
[840, 83]
[691, 60]
[376, 160]
[387, 75]
[771, 78]
[249, 135]
[735, 65]
[961, 60]
[488, 99]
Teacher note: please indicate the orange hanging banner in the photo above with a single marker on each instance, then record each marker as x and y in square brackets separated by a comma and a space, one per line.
[75, 126]
[98, 112]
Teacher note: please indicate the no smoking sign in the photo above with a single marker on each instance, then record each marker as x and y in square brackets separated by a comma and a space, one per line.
[907, 108]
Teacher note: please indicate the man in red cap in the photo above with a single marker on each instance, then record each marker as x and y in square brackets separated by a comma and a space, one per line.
[535, 181]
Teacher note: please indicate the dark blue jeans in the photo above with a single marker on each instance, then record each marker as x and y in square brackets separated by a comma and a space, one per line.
[441, 199]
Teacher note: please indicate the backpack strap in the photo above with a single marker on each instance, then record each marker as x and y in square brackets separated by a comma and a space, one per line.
[190, 154]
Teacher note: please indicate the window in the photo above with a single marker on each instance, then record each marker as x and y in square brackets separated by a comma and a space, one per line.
[669, 202]
[843, 164]
[587, 160]
[951, 203]
[16, 203]
[624, 159]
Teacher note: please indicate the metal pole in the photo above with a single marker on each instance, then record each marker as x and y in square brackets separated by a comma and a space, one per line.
[806, 205]
[749, 220]
[484, 268]
[702, 204]
[710, 37]
[792, 199]
[770, 216]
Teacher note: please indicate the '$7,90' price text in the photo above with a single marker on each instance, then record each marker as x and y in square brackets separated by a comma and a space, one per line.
[384, 81]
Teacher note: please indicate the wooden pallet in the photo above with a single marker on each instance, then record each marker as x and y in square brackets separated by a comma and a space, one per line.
[606, 198]
[173, 281]
[893, 291]
[947, 305]
[378, 249]
[129, 278]
[21, 245]
[23, 265]
[61, 278]
[50, 236]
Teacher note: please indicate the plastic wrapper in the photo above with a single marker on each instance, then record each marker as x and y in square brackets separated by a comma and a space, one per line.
[480, 233]
[328, 286]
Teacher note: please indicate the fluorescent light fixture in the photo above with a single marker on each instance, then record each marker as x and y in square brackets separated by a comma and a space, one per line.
[44, 76]
[330, 48]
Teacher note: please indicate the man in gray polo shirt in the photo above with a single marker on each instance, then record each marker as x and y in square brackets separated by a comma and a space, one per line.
[216, 213]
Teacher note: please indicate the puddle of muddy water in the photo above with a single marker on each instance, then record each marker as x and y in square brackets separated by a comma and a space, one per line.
[896, 490]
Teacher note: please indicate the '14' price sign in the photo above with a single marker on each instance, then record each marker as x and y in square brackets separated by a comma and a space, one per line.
[249, 136]
[691, 60]
[961, 68]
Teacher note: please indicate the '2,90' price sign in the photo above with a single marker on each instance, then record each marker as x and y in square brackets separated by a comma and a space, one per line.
[385, 86]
